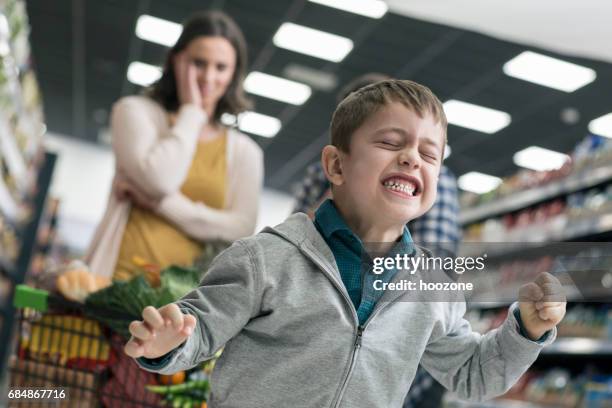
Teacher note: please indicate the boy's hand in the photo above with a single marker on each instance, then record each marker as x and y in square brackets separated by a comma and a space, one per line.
[542, 305]
[162, 330]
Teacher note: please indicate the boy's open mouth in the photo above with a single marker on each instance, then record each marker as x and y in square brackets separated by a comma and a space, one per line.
[408, 185]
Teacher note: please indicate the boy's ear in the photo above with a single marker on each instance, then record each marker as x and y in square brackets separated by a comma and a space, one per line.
[332, 165]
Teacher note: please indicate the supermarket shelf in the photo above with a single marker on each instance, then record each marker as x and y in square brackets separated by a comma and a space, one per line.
[6, 268]
[597, 225]
[521, 199]
[574, 231]
[8, 206]
[28, 244]
[478, 303]
[15, 161]
[578, 346]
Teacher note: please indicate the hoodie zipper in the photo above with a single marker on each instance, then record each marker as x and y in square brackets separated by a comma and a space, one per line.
[356, 347]
[349, 371]
[360, 329]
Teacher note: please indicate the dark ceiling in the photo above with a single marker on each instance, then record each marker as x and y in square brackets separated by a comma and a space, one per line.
[82, 49]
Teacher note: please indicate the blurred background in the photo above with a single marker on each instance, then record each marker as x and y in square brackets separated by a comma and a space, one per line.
[526, 87]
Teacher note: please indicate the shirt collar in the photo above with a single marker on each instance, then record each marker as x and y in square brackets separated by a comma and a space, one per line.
[329, 220]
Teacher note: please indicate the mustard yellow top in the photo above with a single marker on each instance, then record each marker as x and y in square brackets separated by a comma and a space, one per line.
[154, 239]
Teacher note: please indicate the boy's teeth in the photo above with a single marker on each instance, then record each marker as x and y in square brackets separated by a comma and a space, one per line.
[396, 186]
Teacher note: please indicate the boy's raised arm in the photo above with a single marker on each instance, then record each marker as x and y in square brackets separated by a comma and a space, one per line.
[180, 335]
[480, 367]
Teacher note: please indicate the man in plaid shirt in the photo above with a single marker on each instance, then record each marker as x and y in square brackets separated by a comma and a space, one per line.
[438, 230]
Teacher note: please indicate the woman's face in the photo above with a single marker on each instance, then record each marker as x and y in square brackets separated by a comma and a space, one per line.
[215, 61]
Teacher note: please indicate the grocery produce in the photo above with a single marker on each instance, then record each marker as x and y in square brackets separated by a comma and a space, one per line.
[76, 283]
[122, 302]
[150, 270]
[176, 378]
[188, 394]
[66, 338]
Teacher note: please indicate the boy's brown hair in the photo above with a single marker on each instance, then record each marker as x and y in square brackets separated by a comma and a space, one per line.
[361, 104]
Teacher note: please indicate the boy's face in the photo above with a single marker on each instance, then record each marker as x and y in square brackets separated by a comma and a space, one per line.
[390, 174]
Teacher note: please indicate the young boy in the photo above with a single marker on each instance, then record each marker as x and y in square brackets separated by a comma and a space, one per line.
[301, 326]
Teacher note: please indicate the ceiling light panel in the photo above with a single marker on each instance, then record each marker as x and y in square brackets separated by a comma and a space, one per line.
[143, 74]
[277, 88]
[539, 159]
[258, 124]
[317, 79]
[158, 30]
[314, 43]
[547, 71]
[602, 125]
[367, 8]
[478, 183]
[475, 117]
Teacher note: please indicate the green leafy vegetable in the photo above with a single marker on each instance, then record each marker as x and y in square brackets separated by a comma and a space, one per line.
[119, 304]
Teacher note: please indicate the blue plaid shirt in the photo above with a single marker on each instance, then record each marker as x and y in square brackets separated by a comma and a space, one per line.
[353, 261]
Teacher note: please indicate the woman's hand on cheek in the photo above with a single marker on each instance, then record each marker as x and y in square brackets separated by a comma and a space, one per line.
[186, 80]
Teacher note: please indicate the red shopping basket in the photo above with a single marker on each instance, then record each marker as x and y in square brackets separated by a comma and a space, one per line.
[62, 347]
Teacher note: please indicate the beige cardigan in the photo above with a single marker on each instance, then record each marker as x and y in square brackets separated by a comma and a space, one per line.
[157, 158]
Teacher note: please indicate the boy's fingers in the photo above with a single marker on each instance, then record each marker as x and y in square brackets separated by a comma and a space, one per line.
[140, 331]
[530, 292]
[552, 313]
[545, 278]
[189, 325]
[544, 304]
[133, 348]
[553, 292]
[174, 314]
[153, 317]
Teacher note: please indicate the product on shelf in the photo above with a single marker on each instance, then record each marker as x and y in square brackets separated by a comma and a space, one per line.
[579, 214]
[591, 153]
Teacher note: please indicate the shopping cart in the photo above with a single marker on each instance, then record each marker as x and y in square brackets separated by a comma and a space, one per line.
[64, 347]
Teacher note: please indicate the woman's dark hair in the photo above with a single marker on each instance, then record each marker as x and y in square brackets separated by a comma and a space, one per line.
[206, 24]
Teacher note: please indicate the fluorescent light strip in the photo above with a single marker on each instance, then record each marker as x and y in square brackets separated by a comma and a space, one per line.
[312, 42]
[547, 71]
[277, 88]
[143, 74]
[475, 117]
[317, 79]
[368, 8]
[539, 159]
[228, 119]
[258, 124]
[602, 125]
[157, 30]
[478, 183]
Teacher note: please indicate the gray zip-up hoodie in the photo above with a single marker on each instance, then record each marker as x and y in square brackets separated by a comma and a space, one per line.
[277, 304]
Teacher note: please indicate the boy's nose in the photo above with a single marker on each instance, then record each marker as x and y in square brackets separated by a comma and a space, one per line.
[410, 159]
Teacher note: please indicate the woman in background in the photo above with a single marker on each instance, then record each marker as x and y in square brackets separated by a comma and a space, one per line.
[182, 177]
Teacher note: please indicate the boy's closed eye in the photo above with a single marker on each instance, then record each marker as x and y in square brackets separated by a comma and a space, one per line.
[430, 155]
[390, 142]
